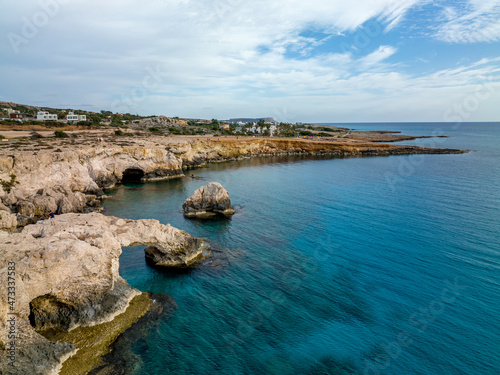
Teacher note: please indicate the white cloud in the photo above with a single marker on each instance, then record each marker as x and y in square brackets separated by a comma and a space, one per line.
[473, 22]
[381, 54]
[221, 58]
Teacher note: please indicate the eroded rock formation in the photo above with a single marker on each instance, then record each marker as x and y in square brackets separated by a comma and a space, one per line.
[66, 275]
[208, 201]
[72, 180]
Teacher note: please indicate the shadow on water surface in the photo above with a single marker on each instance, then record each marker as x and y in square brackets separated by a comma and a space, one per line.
[122, 358]
[329, 365]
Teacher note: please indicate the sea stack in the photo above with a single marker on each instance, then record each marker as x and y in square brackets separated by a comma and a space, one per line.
[208, 201]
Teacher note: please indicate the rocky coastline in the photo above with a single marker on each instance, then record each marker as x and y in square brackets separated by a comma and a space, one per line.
[66, 275]
[35, 181]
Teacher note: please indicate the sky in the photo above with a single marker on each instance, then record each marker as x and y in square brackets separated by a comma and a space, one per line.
[308, 61]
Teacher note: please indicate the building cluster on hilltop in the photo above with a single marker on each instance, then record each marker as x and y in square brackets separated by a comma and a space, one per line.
[16, 115]
[264, 127]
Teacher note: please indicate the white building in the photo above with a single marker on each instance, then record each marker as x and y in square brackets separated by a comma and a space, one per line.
[272, 129]
[45, 116]
[71, 117]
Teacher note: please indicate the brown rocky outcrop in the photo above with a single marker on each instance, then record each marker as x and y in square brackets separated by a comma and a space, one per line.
[66, 275]
[208, 201]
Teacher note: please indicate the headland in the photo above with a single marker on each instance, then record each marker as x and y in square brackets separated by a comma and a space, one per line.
[63, 273]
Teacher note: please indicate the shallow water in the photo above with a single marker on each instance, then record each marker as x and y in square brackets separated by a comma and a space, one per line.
[383, 265]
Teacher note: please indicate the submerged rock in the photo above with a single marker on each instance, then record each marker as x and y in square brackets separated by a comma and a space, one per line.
[208, 201]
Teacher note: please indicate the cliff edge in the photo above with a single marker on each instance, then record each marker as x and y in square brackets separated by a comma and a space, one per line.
[35, 180]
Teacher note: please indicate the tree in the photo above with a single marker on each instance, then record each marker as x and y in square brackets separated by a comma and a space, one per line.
[94, 119]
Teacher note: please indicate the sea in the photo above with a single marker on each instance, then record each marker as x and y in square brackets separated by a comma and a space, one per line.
[373, 265]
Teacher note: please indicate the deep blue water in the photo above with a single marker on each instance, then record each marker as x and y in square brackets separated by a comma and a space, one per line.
[382, 265]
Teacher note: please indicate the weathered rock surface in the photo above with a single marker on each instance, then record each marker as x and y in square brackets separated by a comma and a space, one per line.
[71, 180]
[208, 201]
[66, 275]
[8, 220]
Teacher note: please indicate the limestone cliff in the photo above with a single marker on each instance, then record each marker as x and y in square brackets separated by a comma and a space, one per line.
[70, 179]
[66, 275]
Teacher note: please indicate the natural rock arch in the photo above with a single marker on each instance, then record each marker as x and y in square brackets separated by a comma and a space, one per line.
[70, 278]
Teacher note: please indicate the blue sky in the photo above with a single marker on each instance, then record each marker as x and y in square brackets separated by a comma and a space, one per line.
[364, 60]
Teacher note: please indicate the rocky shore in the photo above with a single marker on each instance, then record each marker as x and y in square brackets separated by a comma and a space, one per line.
[65, 276]
[35, 181]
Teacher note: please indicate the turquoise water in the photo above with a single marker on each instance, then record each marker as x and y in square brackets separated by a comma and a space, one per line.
[383, 265]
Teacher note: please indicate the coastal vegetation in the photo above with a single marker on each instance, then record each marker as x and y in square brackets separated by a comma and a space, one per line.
[60, 134]
[8, 185]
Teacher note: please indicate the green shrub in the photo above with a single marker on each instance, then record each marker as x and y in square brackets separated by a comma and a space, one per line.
[327, 129]
[7, 185]
[55, 124]
[60, 134]
[118, 132]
